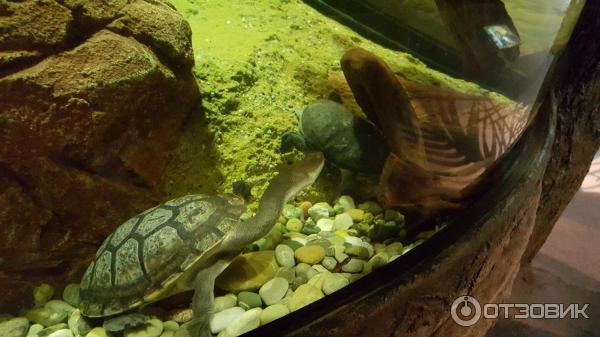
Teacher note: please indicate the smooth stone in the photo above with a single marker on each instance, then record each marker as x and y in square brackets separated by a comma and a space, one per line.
[45, 316]
[334, 282]
[369, 248]
[346, 203]
[285, 256]
[342, 222]
[293, 235]
[356, 214]
[97, 332]
[248, 300]
[318, 280]
[329, 263]
[14, 327]
[172, 325]
[394, 248]
[312, 237]
[383, 231]
[292, 244]
[5, 317]
[305, 206]
[377, 261]
[248, 272]
[61, 333]
[287, 273]
[273, 291]
[392, 215]
[34, 329]
[310, 229]
[393, 257]
[379, 247]
[78, 324]
[371, 207]
[325, 224]
[305, 295]
[223, 302]
[71, 294]
[320, 210]
[358, 251]
[355, 277]
[320, 269]
[60, 306]
[126, 321]
[306, 270]
[292, 212]
[353, 240]
[42, 294]
[353, 266]
[249, 320]
[310, 254]
[152, 328]
[332, 250]
[301, 241]
[222, 319]
[298, 281]
[49, 330]
[182, 315]
[342, 234]
[319, 242]
[167, 333]
[336, 240]
[273, 312]
[294, 225]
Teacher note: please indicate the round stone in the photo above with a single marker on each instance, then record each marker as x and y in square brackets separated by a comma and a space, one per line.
[294, 225]
[377, 261]
[292, 244]
[371, 207]
[126, 321]
[223, 302]
[287, 273]
[152, 328]
[329, 263]
[304, 295]
[97, 332]
[357, 251]
[342, 222]
[14, 327]
[394, 248]
[292, 212]
[273, 312]
[249, 320]
[320, 210]
[298, 281]
[181, 315]
[273, 291]
[45, 316]
[285, 256]
[167, 333]
[61, 333]
[345, 203]
[248, 272]
[71, 294]
[356, 214]
[353, 266]
[171, 325]
[34, 329]
[60, 306]
[393, 215]
[353, 240]
[325, 224]
[248, 300]
[49, 330]
[42, 294]
[304, 206]
[77, 324]
[310, 254]
[317, 280]
[222, 319]
[334, 282]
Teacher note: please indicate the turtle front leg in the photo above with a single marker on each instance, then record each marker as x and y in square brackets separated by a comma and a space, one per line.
[202, 302]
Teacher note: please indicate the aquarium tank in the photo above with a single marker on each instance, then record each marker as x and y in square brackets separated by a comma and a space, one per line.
[210, 168]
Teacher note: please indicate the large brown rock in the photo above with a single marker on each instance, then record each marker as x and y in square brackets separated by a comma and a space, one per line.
[92, 100]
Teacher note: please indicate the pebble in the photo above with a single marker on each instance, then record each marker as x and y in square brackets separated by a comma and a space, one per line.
[292, 244]
[334, 282]
[14, 327]
[167, 333]
[346, 203]
[383, 231]
[47, 331]
[329, 263]
[304, 295]
[320, 269]
[358, 251]
[273, 291]
[223, 302]
[369, 248]
[353, 240]
[394, 248]
[304, 206]
[356, 214]
[60, 306]
[342, 222]
[298, 281]
[318, 280]
[78, 324]
[5, 317]
[97, 332]
[392, 215]
[126, 321]
[336, 240]
[45, 316]
[292, 212]
[247, 321]
[34, 329]
[300, 241]
[222, 319]
[310, 229]
[181, 315]
[294, 225]
[273, 312]
[320, 210]
[325, 224]
[353, 266]
[319, 242]
[371, 207]
[287, 273]
[248, 300]
[152, 328]
[42, 294]
[285, 256]
[71, 294]
[61, 333]
[310, 254]
[172, 325]
[377, 261]
[248, 272]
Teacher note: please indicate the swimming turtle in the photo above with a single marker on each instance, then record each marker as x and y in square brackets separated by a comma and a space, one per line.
[347, 141]
[184, 244]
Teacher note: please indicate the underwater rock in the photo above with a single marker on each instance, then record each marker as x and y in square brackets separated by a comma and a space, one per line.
[248, 272]
[152, 328]
[224, 302]
[45, 316]
[273, 291]
[89, 118]
[247, 321]
[273, 312]
[71, 294]
[221, 320]
[248, 300]
[16, 327]
[123, 322]
[304, 295]
[285, 256]
[42, 294]
[310, 254]
[334, 282]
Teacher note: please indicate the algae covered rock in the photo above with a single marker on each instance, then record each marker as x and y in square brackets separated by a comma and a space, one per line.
[88, 119]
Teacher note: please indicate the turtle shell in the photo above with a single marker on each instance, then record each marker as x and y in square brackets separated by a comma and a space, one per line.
[147, 257]
[346, 141]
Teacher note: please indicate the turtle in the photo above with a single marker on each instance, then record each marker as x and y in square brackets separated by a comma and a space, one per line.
[184, 244]
[347, 141]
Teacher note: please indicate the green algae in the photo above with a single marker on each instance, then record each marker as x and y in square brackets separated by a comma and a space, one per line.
[257, 64]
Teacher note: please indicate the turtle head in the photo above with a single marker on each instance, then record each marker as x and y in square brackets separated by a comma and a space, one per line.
[292, 140]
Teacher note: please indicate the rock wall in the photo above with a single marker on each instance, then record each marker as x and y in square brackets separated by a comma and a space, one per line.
[93, 95]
